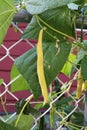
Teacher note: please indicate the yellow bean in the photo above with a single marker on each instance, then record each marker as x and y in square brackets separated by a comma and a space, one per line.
[84, 85]
[79, 85]
[40, 68]
[85, 128]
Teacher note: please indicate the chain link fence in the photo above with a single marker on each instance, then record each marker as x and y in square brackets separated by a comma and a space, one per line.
[5, 92]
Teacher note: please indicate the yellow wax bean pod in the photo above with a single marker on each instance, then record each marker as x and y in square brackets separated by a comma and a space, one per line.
[84, 85]
[85, 128]
[79, 85]
[40, 68]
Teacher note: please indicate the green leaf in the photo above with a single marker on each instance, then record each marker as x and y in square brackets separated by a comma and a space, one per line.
[11, 120]
[85, 1]
[20, 83]
[84, 67]
[39, 6]
[4, 126]
[54, 59]
[32, 30]
[1, 81]
[78, 118]
[52, 117]
[38, 106]
[17, 2]
[80, 2]
[55, 18]
[63, 102]
[80, 56]
[6, 15]
[28, 109]
[69, 64]
[81, 53]
[25, 122]
[73, 6]
[85, 45]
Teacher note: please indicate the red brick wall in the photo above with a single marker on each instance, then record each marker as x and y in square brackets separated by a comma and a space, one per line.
[6, 63]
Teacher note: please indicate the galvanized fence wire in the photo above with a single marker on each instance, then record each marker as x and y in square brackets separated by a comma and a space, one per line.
[67, 85]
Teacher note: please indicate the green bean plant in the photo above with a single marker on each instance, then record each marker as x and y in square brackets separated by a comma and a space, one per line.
[59, 20]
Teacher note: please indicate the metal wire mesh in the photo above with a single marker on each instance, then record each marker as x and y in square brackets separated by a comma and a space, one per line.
[67, 84]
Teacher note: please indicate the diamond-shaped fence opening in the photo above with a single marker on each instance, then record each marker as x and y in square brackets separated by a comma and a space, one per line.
[12, 47]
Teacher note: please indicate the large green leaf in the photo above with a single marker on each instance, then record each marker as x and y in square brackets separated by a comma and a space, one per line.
[54, 59]
[4, 126]
[69, 64]
[58, 18]
[25, 122]
[32, 30]
[20, 83]
[39, 6]
[6, 14]
[84, 67]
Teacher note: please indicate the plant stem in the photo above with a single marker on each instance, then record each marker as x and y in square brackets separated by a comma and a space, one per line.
[41, 124]
[54, 37]
[3, 104]
[16, 123]
[74, 22]
[65, 35]
[82, 26]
